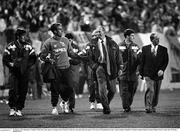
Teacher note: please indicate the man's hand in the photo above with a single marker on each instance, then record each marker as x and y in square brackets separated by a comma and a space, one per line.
[11, 64]
[141, 77]
[120, 72]
[160, 73]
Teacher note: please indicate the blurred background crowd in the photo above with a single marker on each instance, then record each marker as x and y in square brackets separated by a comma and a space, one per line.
[79, 15]
[82, 15]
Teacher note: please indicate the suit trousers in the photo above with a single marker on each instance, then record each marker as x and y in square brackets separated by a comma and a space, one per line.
[107, 88]
[127, 90]
[152, 93]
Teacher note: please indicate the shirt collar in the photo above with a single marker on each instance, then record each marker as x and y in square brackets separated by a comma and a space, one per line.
[152, 46]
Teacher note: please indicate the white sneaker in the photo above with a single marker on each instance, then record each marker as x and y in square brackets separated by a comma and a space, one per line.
[19, 113]
[99, 106]
[54, 111]
[12, 112]
[62, 105]
[1, 101]
[76, 96]
[5, 101]
[80, 96]
[66, 107]
[92, 106]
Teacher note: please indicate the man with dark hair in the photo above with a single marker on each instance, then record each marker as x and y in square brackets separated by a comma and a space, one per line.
[57, 50]
[74, 67]
[18, 56]
[128, 78]
[154, 61]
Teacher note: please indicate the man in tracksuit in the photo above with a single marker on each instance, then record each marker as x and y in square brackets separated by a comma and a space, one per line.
[18, 56]
[58, 48]
[86, 54]
[128, 78]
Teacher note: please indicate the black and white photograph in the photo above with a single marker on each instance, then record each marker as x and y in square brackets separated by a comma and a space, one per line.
[89, 65]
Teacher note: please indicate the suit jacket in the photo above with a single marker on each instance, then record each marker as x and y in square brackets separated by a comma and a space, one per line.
[150, 64]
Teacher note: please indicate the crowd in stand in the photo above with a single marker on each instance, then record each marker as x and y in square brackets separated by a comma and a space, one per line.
[117, 15]
[84, 15]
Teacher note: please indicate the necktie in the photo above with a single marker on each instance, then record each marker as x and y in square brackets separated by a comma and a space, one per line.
[102, 52]
[154, 51]
[107, 58]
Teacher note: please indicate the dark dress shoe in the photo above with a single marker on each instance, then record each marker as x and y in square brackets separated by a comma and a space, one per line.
[148, 111]
[154, 110]
[127, 109]
[106, 111]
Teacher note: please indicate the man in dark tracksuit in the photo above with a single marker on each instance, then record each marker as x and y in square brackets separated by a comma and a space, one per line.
[128, 79]
[91, 74]
[18, 56]
[58, 48]
[74, 67]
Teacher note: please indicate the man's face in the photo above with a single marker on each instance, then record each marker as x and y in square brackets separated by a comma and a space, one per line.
[131, 37]
[101, 32]
[22, 38]
[155, 41]
[59, 31]
[95, 36]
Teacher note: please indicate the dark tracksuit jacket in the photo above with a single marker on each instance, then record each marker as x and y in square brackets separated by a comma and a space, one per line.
[23, 56]
[128, 80]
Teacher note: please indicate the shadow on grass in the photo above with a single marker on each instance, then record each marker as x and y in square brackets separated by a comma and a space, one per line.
[17, 118]
[167, 114]
[61, 116]
[138, 113]
[110, 116]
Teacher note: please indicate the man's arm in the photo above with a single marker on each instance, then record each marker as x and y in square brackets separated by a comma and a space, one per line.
[45, 54]
[71, 53]
[142, 61]
[166, 60]
[7, 57]
[165, 63]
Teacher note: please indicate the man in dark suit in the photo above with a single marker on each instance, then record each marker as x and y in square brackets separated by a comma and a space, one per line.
[153, 64]
[107, 60]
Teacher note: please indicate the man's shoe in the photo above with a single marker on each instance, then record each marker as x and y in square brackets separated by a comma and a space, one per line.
[76, 96]
[19, 113]
[54, 111]
[12, 112]
[148, 111]
[154, 110]
[99, 106]
[92, 106]
[5, 101]
[80, 96]
[62, 105]
[106, 111]
[127, 109]
[66, 107]
[71, 110]
[1, 101]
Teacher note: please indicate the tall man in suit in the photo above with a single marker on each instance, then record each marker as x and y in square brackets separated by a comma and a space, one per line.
[153, 64]
[108, 62]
